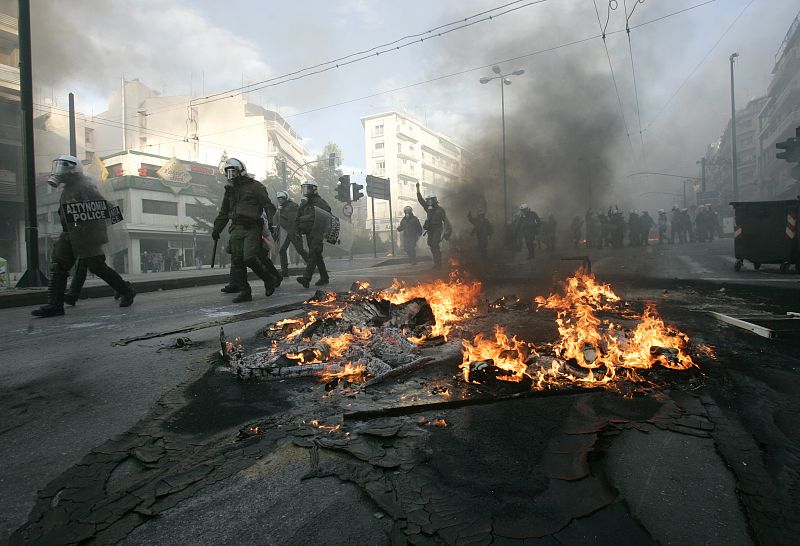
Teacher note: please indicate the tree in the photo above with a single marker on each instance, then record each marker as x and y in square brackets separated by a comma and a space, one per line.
[321, 171]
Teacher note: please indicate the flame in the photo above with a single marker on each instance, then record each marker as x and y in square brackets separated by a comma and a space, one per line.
[508, 354]
[319, 426]
[604, 350]
[356, 373]
[452, 301]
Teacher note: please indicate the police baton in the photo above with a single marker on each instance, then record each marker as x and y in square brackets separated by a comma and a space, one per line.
[214, 253]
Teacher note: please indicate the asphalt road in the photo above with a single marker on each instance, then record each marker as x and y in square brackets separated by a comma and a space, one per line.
[64, 388]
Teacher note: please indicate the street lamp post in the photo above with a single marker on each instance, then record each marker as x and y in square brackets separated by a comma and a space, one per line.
[504, 80]
[735, 178]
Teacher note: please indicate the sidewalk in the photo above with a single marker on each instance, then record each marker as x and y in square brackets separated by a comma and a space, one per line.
[166, 280]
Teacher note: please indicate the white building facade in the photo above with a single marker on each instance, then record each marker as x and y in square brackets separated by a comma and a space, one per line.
[405, 151]
[199, 131]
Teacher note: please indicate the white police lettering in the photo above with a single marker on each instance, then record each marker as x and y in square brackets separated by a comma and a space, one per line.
[86, 211]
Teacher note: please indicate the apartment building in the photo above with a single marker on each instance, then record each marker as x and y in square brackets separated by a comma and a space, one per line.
[405, 151]
[12, 208]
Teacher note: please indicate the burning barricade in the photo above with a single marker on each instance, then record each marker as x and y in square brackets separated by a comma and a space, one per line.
[594, 346]
[364, 334]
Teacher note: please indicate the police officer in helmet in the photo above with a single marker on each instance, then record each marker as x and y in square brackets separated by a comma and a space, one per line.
[244, 202]
[83, 239]
[305, 224]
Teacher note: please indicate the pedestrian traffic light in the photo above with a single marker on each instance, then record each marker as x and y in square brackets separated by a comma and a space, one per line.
[357, 193]
[343, 189]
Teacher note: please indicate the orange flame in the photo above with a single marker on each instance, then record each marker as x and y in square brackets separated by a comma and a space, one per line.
[452, 301]
[600, 347]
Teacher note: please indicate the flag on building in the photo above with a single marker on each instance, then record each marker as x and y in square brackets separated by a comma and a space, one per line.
[97, 169]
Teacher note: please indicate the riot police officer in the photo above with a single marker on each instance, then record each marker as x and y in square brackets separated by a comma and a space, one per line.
[244, 202]
[288, 223]
[526, 226]
[79, 240]
[436, 224]
[411, 229]
[306, 216]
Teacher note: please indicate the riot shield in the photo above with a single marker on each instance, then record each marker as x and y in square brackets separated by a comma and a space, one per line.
[86, 215]
[326, 226]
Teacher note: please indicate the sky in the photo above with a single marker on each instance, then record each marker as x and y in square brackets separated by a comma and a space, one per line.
[680, 99]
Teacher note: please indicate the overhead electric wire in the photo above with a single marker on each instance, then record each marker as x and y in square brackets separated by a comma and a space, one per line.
[380, 46]
[361, 55]
[697, 66]
[237, 91]
[611, 68]
[633, 71]
[468, 70]
[401, 88]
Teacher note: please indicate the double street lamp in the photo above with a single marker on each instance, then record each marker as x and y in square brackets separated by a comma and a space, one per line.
[504, 80]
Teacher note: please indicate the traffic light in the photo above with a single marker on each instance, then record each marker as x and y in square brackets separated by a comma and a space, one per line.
[343, 189]
[357, 193]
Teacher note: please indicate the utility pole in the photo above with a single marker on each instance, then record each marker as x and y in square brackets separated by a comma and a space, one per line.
[73, 145]
[505, 182]
[703, 174]
[33, 276]
[734, 163]
[504, 80]
[124, 127]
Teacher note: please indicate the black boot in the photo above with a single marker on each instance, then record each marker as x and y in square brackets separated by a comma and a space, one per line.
[114, 280]
[304, 281]
[263, 273]
[245, 294]
[126, 298]
[56, 286]
[232, 287]
[76, 285]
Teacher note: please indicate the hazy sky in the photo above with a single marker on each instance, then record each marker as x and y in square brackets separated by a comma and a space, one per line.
[175, 46]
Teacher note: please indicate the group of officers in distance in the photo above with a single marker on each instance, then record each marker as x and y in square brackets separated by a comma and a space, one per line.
[437, 228]
[681, 226]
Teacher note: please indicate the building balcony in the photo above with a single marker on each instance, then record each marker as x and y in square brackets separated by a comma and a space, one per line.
[403, 155]
[782, 129]
[9, 78]
[8, 28]
[405, 135]
[441, 169]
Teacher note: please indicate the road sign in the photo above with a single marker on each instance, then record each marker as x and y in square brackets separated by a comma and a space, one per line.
[378, 188]
[347, 210]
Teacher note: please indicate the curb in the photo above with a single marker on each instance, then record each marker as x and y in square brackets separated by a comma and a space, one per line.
[38, 296]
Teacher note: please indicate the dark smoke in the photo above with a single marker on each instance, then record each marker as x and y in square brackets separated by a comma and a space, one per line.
[564, 142]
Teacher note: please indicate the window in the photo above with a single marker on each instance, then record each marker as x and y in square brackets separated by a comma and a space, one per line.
[166, 208]
[194, 210]
[378, 130]
[380, 167]
[88, 137]
[399, 148]
[411, 149]
[379, 145]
